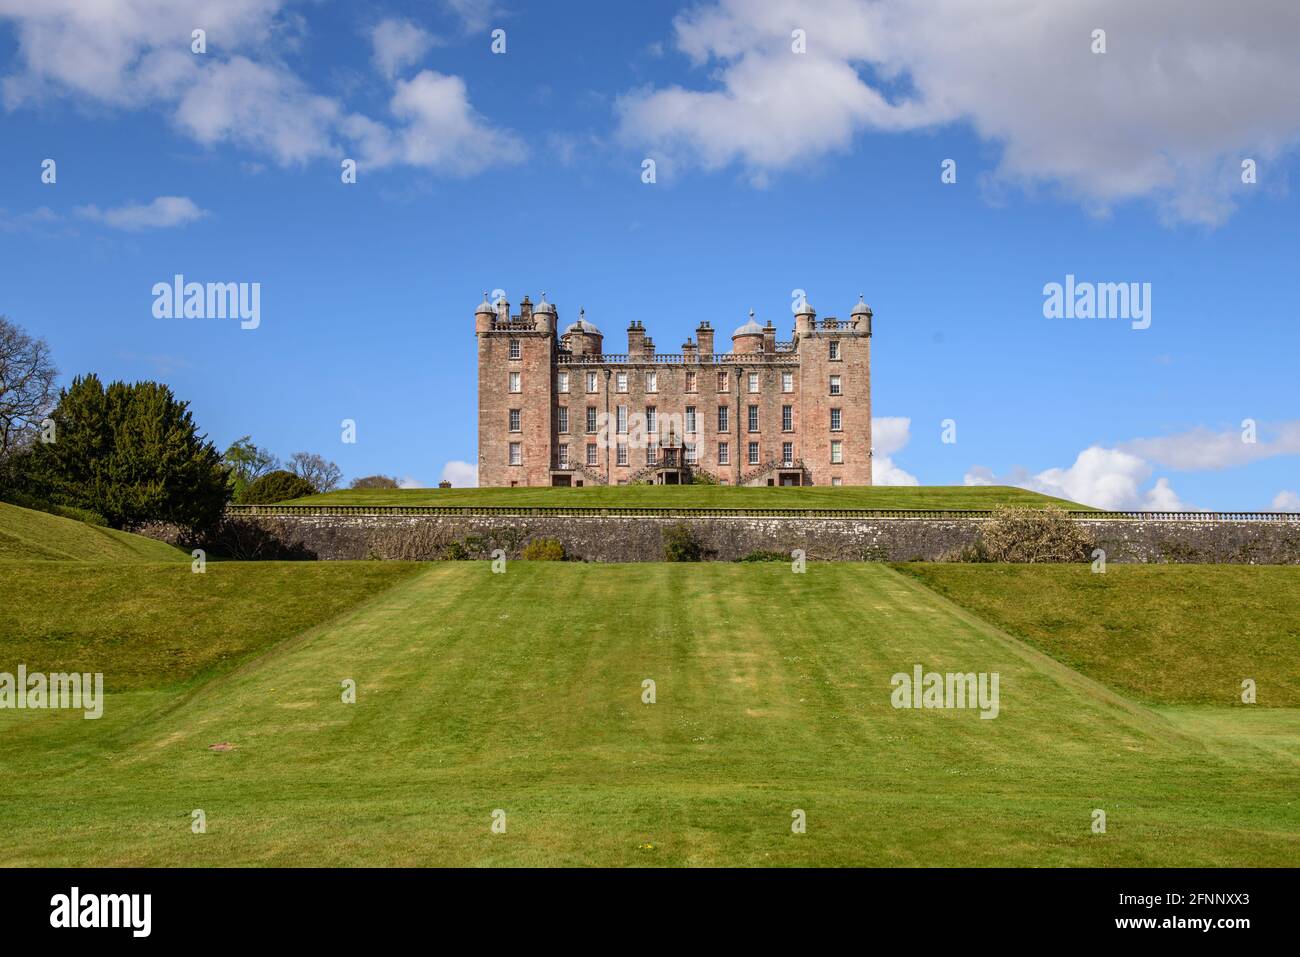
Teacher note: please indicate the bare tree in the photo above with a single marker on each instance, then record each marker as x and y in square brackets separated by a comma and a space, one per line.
[26, 385]
[323, 475]
[374, 481]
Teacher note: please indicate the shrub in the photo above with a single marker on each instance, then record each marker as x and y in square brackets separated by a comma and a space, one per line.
[543, 550]
[681, 545]
[763, 556]
[15, 497]
[1034, 535]
[700, 477]
[414, 542]
[277, 486]
[374, 481]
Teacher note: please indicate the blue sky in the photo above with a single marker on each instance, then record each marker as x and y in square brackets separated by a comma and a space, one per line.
[774, 171]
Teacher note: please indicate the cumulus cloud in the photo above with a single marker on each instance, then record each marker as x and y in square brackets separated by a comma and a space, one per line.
[398, 43]
[161, 213]
[1184, 91]
[409, 482]
[889, 434]
[134, 54]
[437, 128]
[1100, 477]
[460, 474]
[1202, 448]
[1285, 501]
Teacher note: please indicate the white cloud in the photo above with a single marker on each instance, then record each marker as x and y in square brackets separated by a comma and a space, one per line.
[398, 43]
[409, 482]
[889, 434]
[474, 14]
[460, 474]
[1103, 478]
[1285, 501]
[134, 54]
[1202, 448]
[264, 108]
[438, 128]
[161, 213]
[1185, 91]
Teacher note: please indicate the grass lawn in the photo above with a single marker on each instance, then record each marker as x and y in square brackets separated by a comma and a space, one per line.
[523, 692]
[701, 496]
[1169, 634]
[27, 534]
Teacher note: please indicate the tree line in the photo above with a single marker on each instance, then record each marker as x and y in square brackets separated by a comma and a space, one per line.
[123, 454]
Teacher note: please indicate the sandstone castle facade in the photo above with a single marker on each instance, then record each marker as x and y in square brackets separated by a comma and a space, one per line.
[554, 408]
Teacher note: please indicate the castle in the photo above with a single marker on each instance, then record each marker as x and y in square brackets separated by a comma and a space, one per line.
[554, 408]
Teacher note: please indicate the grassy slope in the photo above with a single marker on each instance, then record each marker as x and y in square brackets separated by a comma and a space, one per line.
[26, 534]
[1171, 634]
[522, 692]
[880, 496]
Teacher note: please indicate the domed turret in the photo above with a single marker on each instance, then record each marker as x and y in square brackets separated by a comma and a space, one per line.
[749, 337]
[582, 337]
[862, 316]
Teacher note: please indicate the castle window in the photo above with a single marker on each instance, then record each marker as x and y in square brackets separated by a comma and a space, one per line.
[564, 419]
[515, 349]
[591, 453]
[652, 381]
[837, 453]
[692, 453]
[690, 381]
[724, 454]
[787, 381]
[835, 420]
[753, 453]
[515, 416]
[515, 385]
[621, 419]
[564, 455]
[621, 381]
[787, 454]
[753, 418]
[835, 349]
[651, 419]
[516, 453]
[652, 453]
[753, 382]
[837, 481]
[621, 453]
[591, 382]
[562, 382]
[591, 419]
[690, 420]
[835, 385]
[787, 418]
[724, 384]
[724, 416]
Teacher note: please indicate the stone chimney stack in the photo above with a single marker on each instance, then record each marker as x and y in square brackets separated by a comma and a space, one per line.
[688, 350]
[636, 340]
[649, 344]
[704, 335]
[769, 338]
[526, 310]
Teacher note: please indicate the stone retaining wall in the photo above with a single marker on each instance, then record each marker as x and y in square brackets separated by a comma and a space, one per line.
[640, 539]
